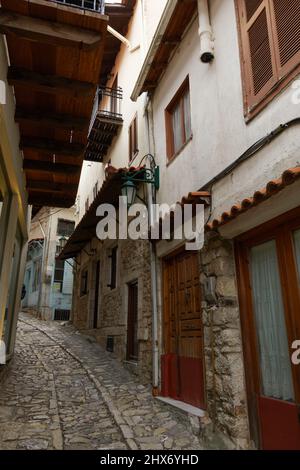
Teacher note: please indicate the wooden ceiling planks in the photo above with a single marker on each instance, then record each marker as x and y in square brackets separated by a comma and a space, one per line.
[59, 183]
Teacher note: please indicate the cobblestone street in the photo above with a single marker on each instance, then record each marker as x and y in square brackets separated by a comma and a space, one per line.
[62, 391]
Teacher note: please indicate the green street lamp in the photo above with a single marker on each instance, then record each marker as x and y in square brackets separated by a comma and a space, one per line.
[62, 242]
[133, 178]
[129, 191]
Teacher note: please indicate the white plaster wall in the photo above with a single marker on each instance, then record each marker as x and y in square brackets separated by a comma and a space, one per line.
[128, 64]
[220, 134]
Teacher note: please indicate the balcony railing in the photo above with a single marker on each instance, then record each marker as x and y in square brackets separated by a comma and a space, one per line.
[94, 5]
[108, 104]
[105, 123]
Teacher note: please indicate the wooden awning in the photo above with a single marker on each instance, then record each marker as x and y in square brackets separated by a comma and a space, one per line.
[86, 229]
[56, 54]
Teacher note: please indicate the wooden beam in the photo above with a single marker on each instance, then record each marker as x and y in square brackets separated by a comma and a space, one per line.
[54, 120]
[49, 167]
[49, 83]
[50, 186]
[48, 32]
[52, 146]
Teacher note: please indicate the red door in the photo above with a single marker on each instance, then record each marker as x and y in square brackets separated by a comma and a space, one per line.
[269, 287]
[182, 363]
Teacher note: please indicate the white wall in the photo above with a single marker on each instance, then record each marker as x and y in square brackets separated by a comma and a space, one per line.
[128, 64]
[220, 134]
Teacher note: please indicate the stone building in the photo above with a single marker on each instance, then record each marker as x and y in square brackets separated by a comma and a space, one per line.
[48, 281]
[45, 110]
[214, 101]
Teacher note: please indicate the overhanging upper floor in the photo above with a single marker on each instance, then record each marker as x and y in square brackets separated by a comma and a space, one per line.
[55, 52]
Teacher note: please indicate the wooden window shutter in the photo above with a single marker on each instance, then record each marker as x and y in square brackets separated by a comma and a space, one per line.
[286, 21]
[258, 54]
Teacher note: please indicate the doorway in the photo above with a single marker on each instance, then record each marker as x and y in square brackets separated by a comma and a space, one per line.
[268, 261]
[97, 288]
[182, 363]
[132, 324]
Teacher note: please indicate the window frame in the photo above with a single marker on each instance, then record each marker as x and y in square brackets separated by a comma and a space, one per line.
[281, 230]
[178, 99]
[133, 141]
[56, 269]
[65, 233]
[36, 280]
[113, 269]
[280, 83]
[84, 282]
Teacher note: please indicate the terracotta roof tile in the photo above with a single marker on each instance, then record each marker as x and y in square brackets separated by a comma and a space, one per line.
[272, 187]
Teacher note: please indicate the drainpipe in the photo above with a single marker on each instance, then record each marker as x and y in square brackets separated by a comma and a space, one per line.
[153, 258]
[41, 273]
[205, 33]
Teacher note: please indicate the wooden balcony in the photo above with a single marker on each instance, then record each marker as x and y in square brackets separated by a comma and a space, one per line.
[55, 50]
[106, 122]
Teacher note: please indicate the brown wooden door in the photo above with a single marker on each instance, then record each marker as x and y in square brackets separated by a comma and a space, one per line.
[269, 289]
[97, 287]
[132, 325]
[182, 363]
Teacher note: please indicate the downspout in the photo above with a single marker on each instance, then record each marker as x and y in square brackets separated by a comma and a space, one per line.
[153, 266]
[41, 273]
[205, 33]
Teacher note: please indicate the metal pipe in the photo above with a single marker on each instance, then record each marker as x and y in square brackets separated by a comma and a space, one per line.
[205, 33]
[153, 267]
[41, 271]
[119, 36]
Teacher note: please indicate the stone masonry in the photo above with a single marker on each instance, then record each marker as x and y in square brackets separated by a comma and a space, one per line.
[133, 264]
[225, 384]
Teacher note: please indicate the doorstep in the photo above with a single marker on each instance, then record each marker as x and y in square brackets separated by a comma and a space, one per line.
[183, 406]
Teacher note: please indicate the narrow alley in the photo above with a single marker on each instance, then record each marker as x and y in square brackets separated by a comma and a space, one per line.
[62, 391]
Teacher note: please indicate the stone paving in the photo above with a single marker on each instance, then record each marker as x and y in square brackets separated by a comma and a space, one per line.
[63, 391]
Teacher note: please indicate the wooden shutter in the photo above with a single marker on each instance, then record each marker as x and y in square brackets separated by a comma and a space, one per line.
[286, 21]
[258, 50]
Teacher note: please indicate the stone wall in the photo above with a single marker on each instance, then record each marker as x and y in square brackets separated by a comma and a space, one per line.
[133, 264]
[225, 384]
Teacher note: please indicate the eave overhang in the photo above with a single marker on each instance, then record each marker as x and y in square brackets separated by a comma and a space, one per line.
[86, 229]
[272, 188]
[175, 19]
[55, 54]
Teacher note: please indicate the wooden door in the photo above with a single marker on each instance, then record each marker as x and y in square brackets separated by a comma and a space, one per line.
[268, 262]
[182, 363]
[97, 287]
[132, 324]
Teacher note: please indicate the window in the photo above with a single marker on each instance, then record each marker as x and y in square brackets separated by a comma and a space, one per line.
[95, 190]
[65, 228]
[37, 275]
[87, 204]
[270, 48]
[113, 268]
[268, 265]
[59, 275]
[178, 120]
[84, 283]
[133, 139]
[132, 323]
[114, 97]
